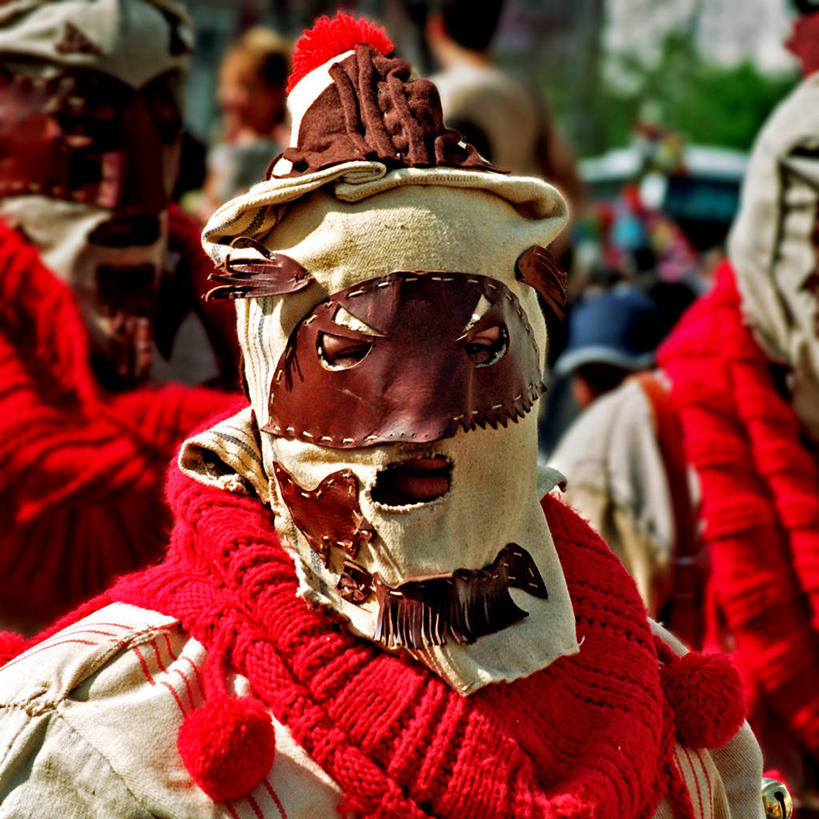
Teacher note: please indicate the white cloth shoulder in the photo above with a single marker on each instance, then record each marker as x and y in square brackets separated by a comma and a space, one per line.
[88, 727]
[89, 718]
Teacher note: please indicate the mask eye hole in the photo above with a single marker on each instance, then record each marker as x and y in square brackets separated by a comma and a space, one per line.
[487, 345]
[341, 352]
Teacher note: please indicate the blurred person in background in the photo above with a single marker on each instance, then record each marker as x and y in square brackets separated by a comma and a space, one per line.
[503, 116]
[742, 376]
[100, 283]
[622, 432]
[251, 94]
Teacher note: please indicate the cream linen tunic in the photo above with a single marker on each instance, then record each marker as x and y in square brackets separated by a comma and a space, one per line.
[89, 718]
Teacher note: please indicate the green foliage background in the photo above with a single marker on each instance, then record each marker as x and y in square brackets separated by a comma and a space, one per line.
[704, 102]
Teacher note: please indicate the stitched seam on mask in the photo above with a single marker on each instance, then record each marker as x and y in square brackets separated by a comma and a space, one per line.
[535, 390]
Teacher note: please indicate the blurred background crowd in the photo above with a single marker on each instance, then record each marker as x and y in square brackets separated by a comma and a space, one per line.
[642, 112]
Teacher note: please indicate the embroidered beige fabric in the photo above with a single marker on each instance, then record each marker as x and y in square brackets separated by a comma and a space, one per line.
[773, 244]
[98, 707]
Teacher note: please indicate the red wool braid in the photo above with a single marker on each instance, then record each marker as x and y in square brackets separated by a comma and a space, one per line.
[82, 469]
[589, 736]
[760, 486]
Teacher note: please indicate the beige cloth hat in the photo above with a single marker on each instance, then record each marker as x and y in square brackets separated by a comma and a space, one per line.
[132, 40]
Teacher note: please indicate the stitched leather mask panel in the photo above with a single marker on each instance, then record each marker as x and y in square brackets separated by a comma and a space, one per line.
[415, 365]
[328, 515]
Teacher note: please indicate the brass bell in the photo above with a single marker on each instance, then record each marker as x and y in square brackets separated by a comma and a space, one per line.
[776, 799]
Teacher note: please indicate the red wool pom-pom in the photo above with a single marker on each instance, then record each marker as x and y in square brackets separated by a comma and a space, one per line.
[331, 36]
[11, 644]
[228, 746]
[705, 693]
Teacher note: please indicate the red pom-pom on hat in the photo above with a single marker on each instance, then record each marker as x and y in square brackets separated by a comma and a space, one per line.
[331, 36]
[228, 746]
[11, 644]
[705, 693]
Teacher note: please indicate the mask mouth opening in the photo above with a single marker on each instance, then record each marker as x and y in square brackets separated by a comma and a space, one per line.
[126, 231]
[413, 481]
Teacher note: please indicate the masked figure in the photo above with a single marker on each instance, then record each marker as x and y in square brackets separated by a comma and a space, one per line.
[738, 388]
[360, 556]
[99, 283]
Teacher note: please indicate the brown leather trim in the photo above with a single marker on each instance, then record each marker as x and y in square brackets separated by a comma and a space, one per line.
[537, 268]
[75, 42]
[127, 299]
[127, 288]
[373, 111]
[328, 515]
[250, 277]
[684, 606]
[464, 605]
[416, 380]
[355, 584]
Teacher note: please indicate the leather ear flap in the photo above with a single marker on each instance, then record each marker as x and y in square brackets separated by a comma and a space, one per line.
[256, 274]
[538, 269]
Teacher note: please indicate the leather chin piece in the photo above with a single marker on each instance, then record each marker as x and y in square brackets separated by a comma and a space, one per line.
[463, 605]
[410, 357]
[87, 137]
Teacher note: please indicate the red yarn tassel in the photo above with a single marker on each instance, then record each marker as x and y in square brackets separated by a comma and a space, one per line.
[706, 695]
[331, 36]
[227, 744]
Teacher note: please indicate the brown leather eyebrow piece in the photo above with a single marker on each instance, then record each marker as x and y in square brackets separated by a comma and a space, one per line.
[537, 268]
[418, 379]
[244, 276]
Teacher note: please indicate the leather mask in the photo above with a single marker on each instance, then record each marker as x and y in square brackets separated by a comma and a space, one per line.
[88, 137]
[418, 356]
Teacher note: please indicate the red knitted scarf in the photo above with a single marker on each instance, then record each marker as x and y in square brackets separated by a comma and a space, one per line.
[760, 486]
[589, 736]
[83, 470]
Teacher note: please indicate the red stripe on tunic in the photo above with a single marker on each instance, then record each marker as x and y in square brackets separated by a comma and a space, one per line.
[275, 798]
[175, 696]
[144, 665]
